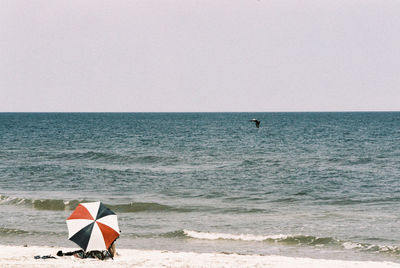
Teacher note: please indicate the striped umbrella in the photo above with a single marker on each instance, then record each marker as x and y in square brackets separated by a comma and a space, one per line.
[93, 226]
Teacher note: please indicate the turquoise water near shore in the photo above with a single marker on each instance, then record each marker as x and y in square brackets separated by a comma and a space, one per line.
[303, 184]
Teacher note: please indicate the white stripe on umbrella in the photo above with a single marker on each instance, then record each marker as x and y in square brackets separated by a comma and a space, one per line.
[111, 221]
[92, 207]
[76, 225]
[96, 241]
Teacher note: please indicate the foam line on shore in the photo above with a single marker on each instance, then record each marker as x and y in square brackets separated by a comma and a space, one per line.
[18, 256]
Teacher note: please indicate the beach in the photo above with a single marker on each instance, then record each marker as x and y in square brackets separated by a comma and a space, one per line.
[18, 256]
[200, 133]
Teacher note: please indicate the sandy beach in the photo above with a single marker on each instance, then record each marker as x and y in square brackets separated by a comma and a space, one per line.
[18, 256]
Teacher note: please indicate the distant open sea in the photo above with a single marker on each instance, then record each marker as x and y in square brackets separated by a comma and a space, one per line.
[321, 185]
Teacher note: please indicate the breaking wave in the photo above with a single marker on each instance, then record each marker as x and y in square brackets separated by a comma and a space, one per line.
[60, 205]
[57, 205]
[9, 231]
[4, 232]
[41, 204]
[294, 240]
[279, 238]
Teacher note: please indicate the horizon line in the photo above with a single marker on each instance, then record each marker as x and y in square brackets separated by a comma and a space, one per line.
[120, 112]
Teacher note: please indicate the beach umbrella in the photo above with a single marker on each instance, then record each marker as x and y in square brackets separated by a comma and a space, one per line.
[93, 226]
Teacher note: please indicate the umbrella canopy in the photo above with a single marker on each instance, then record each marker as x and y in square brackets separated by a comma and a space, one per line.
[93, 226]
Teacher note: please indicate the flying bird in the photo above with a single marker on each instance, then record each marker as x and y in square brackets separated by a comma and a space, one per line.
[256, 121]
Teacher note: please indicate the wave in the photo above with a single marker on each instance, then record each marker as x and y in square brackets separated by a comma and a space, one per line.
[8, 231]
[58, 205]
[88, 155]
[259, 162]
[19, 232]
[116, 157]
[391, 249]
[143, 206]
[224, 236]
[250, 163]
[41, 204]
[281, 238]
[363, 201]
[277, 238]
[293, 240]
[359, 161]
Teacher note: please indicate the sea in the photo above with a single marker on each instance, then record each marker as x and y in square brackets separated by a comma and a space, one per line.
[319, 185]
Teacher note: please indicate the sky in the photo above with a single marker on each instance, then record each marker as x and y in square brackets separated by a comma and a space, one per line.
[199, 55]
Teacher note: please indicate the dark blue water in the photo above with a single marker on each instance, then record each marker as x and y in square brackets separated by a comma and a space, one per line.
[304, 184]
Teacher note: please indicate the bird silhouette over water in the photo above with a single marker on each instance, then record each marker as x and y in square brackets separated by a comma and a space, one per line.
[256, 121]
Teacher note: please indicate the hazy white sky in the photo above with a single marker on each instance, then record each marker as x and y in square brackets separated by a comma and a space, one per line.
[194, 56]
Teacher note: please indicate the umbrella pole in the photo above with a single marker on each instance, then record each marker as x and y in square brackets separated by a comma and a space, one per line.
[111, 250]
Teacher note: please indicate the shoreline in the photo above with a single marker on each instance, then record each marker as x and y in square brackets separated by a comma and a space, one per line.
[21, 256]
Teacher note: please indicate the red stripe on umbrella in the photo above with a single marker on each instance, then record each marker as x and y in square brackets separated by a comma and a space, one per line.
[109, 234]
[81, 213]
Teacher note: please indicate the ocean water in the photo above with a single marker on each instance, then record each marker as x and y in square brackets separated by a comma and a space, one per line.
[321, 185]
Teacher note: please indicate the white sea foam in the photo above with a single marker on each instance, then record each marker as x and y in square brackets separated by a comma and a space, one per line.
[244, 237]
[351, 245]
[13, 256]
[370, 247]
